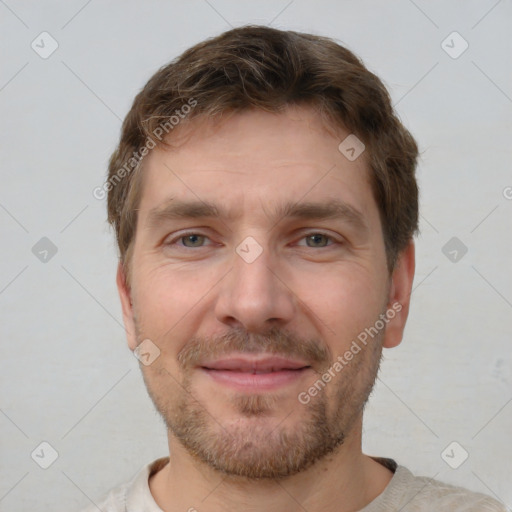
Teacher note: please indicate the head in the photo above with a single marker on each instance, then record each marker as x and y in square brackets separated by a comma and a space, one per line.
[264, 202]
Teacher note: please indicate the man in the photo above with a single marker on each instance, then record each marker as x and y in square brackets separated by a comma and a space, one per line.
[264, 201]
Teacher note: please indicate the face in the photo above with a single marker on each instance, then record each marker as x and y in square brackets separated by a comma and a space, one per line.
[258, 261]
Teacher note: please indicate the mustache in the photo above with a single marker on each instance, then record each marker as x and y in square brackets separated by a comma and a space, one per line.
[275, 341]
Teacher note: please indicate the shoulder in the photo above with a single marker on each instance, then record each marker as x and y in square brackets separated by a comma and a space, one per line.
[114, 501]
[131, 495]
[422, 493]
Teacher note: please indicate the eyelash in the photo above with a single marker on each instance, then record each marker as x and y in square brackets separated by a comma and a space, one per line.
[190, 233]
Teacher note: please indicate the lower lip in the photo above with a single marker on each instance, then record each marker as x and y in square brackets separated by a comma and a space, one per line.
[256, 381]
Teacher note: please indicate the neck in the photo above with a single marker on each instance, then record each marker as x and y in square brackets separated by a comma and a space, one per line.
[342, 481]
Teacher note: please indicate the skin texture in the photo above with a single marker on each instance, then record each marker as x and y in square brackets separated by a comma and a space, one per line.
[306, 296]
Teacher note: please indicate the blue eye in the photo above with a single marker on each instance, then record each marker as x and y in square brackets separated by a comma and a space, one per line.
[194, 239]
[317, 240]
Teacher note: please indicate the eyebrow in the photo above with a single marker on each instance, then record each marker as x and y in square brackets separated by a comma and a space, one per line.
[332, 209]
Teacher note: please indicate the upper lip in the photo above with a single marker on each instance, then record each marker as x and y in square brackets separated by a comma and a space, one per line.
[255, 364]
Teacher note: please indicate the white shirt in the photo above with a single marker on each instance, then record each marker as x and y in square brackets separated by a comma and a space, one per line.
[405, 493]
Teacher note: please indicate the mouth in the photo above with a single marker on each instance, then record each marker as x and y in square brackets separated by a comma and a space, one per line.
[255, 373]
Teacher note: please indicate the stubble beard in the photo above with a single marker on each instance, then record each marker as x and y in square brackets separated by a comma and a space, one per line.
[259, 447]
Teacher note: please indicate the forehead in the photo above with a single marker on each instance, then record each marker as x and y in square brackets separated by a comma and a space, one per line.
[253, 159]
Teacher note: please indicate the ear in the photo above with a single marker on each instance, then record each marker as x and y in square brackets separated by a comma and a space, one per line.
[127, 306]
[400, 296]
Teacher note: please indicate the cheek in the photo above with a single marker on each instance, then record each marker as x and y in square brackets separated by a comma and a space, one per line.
[167, 297]
[343, 302]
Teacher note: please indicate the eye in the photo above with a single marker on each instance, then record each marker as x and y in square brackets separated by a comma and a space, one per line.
[193, 240]
[190, 240]
[317, 240]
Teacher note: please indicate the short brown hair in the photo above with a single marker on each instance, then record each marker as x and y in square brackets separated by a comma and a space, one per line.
[258, 67]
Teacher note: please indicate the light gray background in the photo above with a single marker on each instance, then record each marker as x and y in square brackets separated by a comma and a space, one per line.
[67, 376]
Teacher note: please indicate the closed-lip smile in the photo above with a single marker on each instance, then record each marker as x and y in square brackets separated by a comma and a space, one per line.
[255, 372]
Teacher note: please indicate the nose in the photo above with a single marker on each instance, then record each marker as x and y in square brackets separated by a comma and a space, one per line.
[254, 296]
